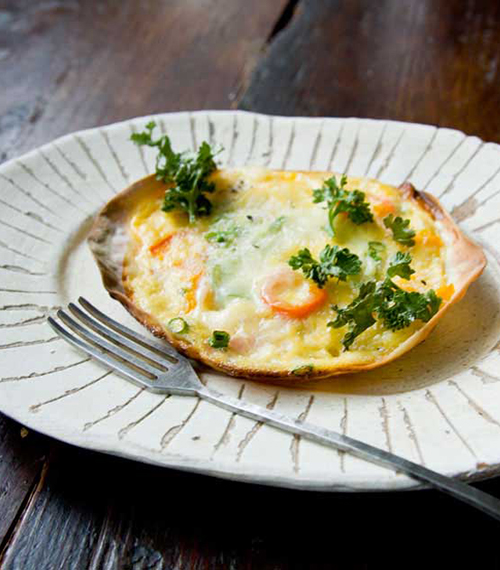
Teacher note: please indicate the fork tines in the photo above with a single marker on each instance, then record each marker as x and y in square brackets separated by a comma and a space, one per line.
[140, 359]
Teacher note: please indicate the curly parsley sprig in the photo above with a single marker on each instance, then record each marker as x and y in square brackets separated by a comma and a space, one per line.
[358, 315]
[400, 265]
[399, 308]
[187, 174]
[333, 262]
[401, 231]
[339, 200]
[395, 307]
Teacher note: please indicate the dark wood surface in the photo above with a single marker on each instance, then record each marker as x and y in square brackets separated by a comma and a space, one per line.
[427, 61]
[66, 65]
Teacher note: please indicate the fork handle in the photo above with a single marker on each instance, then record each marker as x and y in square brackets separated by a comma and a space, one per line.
[462, 491]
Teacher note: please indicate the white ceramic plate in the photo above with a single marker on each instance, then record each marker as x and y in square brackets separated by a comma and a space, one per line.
[438, 405]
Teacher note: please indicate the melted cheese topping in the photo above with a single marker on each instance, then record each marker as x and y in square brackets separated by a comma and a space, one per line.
[229, 271]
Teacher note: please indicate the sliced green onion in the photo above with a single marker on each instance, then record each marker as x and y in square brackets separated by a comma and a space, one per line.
[376, 249]
[178, 325]
[276, 226]
[303, 370]
[219, 339]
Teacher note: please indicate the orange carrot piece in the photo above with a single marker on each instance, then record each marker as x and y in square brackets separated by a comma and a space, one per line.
[428, 238]
[160, 245]
[191, 293]
[383, 208]
[270, 294]
[446, 291]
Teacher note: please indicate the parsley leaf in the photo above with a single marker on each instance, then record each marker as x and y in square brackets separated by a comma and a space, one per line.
[401, 231]
[396, 308]
[333, 262]
[343, 263]
[376, 249]
[187, 175]
[339, 200]
[358, 315]
[400, 265]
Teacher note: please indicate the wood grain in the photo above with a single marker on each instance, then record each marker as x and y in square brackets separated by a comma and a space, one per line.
[22, 456]
[424, 61]
[68, 65]
[97, 512]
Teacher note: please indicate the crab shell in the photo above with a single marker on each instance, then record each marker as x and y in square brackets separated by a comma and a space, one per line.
[108, 241]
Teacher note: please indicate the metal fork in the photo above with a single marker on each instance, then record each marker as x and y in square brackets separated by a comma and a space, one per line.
[159, 368]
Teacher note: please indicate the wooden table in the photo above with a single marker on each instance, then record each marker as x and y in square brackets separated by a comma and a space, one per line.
[71, 64]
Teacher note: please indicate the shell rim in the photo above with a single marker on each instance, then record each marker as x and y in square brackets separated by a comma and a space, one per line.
[462, 246]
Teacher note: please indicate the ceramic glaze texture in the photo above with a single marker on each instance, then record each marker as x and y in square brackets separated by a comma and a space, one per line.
[438, 405]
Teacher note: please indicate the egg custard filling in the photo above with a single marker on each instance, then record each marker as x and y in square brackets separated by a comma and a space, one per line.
[264, 273]
[230, 271]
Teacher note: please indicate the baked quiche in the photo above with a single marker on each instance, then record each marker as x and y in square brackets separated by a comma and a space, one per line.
[273, 274]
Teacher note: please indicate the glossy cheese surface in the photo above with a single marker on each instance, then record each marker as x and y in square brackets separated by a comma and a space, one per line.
[229, 271]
